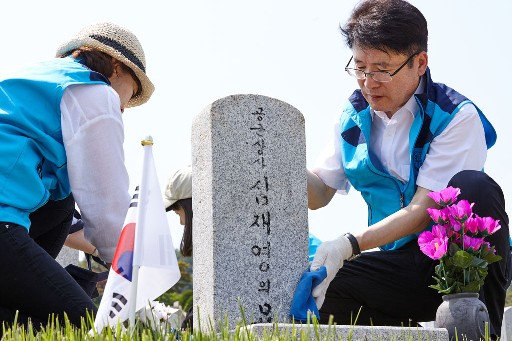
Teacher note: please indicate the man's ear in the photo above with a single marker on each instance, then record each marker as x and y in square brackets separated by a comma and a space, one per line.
[422, 63]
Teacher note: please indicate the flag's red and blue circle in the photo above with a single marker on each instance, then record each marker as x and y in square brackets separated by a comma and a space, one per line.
[123, 258]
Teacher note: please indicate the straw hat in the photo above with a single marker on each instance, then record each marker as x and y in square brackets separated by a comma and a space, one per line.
[119, 43]
[179, 186]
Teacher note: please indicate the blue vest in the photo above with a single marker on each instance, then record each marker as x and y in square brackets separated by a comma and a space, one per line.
[33, 159]
[383, 193]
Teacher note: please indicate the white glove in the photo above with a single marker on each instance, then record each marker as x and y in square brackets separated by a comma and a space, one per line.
[332, 254]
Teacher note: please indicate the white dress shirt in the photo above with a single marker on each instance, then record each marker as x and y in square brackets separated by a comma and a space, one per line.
[93, 134]
[460, 146]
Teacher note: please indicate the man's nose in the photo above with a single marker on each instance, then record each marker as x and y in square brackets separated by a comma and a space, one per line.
[370, 83]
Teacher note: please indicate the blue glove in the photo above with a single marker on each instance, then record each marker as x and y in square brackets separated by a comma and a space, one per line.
[303, 300]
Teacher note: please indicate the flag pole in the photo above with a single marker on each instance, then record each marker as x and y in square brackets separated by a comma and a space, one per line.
[147, 143]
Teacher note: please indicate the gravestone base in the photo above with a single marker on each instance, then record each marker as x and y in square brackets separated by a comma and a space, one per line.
[506, 326]
[343, 332]
[68, 256]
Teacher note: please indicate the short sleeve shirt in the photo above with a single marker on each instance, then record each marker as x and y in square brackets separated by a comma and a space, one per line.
[459, 147]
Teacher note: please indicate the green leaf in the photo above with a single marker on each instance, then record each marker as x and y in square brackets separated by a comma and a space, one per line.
[491, 257]
[477, 262]
[473, 276]
[445, 291]
[462, 259]
[453, 249]
[436, 287]
[438, 280]
[472, 287]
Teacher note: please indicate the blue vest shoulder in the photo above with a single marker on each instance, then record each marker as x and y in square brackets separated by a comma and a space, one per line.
[34, 163]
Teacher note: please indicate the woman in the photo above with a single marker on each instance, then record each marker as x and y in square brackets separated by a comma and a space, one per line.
[178, 198]
[62, 132]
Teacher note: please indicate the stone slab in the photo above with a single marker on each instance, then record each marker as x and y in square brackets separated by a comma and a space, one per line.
[342, 332]
[506, 326]
[68, 256]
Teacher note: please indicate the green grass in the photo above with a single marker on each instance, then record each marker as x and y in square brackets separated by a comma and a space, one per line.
[57, 330]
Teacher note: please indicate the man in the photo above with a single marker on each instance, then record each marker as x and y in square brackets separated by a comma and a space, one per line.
[399, 137]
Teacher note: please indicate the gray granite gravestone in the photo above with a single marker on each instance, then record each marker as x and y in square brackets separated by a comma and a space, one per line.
[249, 194]
[506, 324]
[68, 256]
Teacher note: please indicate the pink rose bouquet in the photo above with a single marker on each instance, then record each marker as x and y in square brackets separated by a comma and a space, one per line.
[458, 242]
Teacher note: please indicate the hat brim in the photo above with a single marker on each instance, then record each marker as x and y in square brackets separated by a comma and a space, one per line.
[168, 203]
[146, 84]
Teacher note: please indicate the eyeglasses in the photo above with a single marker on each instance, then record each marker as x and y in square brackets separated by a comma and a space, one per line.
[378, 76]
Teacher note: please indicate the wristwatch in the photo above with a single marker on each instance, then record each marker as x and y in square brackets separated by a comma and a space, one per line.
[356, 251]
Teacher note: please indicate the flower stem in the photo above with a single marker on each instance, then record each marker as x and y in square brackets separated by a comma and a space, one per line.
[462, 247]
[444, 272]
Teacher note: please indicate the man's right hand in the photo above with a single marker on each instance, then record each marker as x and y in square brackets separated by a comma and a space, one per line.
[331, 254]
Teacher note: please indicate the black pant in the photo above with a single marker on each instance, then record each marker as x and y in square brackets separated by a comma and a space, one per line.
[32, 282]
[391, 287]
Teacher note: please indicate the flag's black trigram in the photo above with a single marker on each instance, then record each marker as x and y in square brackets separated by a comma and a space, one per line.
[118, 302]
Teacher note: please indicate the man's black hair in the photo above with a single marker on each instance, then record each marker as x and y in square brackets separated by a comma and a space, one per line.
[386, 25]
